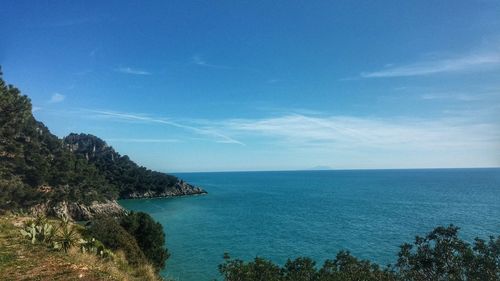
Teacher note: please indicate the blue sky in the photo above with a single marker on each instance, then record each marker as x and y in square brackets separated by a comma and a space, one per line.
[265, 85]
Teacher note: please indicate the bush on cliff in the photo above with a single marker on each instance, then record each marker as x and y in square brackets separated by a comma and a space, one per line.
[149, 236]
[110, 233]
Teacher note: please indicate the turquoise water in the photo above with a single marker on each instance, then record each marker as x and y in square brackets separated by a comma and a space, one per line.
[317, 213]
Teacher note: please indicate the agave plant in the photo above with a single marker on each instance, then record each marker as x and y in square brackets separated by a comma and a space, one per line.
[67, 237]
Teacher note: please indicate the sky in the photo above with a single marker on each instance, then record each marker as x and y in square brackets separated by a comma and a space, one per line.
[183, 86]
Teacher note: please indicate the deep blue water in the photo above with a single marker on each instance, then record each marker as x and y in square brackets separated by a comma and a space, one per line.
[317, 213]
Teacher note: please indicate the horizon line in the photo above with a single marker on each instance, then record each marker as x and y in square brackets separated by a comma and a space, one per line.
[334, 169]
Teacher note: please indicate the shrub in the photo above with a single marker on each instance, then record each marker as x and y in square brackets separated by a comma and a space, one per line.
[95, 247]
[440, 255]
[115, 237]
[347, 267]
[259, 269]
[39, 230]
[149, 236]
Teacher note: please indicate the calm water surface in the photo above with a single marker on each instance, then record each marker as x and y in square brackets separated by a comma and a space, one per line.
[317, 213]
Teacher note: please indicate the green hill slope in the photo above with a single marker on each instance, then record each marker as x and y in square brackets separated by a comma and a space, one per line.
[79, 176]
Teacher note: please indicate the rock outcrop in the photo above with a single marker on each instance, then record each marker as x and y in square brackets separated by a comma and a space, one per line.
[181, 188]
[78, 211]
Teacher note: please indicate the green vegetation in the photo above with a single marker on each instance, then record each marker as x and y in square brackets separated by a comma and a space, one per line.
[38, 167]
[125, 175]
[35, 167]
[344, 267]
[109, 232]
[39, 230]
[67, 236]
[20, 259]
[140, 238]
[61, 235]
[440, 255]
[149, 236]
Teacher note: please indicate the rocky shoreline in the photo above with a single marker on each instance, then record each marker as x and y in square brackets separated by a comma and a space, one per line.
[181, 188]
[82, 212]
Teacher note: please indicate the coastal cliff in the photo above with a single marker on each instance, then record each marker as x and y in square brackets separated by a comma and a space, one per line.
[130, 179]
[79, 176]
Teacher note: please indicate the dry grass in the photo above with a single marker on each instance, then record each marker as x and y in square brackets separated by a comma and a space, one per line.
[20, 260]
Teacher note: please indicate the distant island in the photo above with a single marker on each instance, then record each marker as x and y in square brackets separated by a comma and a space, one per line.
[320, 168]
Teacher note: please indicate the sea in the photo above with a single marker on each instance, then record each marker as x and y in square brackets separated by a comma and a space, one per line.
[281, 215]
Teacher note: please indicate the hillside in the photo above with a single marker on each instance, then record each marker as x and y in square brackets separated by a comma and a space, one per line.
[128, 178]
[22, 260]
[80, 176]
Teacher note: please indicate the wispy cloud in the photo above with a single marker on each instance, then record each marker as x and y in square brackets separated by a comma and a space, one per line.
[452, 96]
[207, 132]
[132, 140]
[56, 98]
[356, 132]
[201, 62]
[339, 132]
[457, 64]
[276, 110]
[468, 93]
[134, 71]
[198, 60]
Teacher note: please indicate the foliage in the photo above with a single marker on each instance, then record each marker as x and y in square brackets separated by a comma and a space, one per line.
[440, 255]
[23, 261]
[39, 230]
[300, 269]
[343, 268]
[113, 236]
[67, 236]
[38, 167]
[347, 267]
[258, 269]
[127, 177]
[35, 166]
[149, 236]
[95, 247]
[42, 233]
